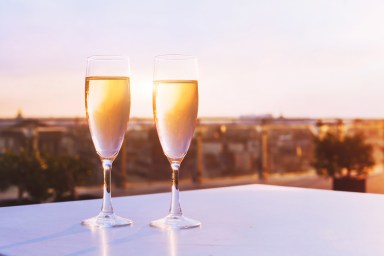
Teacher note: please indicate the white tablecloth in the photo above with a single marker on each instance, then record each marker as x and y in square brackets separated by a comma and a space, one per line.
[243, 220]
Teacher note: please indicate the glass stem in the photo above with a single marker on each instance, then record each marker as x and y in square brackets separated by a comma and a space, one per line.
[107, 203]
[175, 208]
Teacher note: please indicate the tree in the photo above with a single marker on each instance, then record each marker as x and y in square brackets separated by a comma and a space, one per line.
[326, 155]
[347, 157]
[5, 172]
[27, 172]
[42, 178]
[65, 172]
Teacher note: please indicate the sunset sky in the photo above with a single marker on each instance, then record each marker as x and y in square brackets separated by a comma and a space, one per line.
[302, 58]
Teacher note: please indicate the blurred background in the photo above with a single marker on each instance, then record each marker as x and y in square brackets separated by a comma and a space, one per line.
[276, 78]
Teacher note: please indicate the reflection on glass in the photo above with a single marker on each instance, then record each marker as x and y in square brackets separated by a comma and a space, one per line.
[103, 241]
[172, 242]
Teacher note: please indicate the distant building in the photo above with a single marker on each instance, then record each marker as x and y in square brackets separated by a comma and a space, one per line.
[221, 147]
[35, 135]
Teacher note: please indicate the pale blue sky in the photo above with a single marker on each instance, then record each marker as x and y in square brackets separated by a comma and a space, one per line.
[300, 58]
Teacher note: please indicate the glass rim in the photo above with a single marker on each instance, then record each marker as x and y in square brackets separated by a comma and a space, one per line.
[107, 57]
[175, 56]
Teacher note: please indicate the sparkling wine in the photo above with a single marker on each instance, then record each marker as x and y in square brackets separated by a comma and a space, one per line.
[175, 104]
[107, 102]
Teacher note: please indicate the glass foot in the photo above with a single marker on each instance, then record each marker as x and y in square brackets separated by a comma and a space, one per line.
[104, 220]
[175, 222]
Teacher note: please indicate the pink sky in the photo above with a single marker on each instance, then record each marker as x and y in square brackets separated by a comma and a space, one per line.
[296, 58]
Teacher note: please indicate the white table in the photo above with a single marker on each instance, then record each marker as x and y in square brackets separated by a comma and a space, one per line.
[244, 220]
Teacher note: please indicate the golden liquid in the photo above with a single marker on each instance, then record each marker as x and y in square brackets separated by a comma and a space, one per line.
[175, 104]
[108, 103]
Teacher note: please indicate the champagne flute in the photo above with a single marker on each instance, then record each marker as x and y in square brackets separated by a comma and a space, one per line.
[175, 107]
[107, 103]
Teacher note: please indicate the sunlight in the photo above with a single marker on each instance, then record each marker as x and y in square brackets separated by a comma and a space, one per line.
[141, 97]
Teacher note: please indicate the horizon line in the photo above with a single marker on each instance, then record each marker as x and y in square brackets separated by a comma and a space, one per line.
[260, 116]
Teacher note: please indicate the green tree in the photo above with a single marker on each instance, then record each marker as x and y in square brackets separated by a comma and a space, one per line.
[27, 172]
[335, 157]
[42, 179]
[6, 165]
[65, 172]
